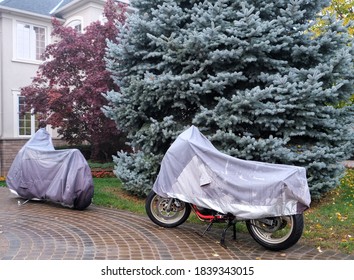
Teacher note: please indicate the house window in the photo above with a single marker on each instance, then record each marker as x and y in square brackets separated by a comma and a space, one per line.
[76, 24]
[27, 122]
[31, 41]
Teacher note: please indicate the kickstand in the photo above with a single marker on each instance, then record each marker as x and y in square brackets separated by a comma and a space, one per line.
[207, 229]
[223, 235]
[19, 202]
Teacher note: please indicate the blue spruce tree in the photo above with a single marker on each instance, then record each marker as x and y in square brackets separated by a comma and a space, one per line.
[249, 74]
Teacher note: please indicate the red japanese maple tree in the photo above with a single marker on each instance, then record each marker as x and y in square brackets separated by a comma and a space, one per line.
[67, 91]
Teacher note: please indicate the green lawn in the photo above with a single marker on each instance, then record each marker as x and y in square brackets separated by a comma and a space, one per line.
[109, 193]
[330, 221]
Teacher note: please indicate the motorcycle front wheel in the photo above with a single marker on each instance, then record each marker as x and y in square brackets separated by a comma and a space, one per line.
[277, 233]
[166, 212]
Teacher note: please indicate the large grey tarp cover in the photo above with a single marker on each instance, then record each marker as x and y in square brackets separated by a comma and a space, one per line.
[194, 171]
[41, 172]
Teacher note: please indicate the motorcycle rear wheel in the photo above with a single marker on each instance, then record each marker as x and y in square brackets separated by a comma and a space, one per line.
[166, 212]
[277, 233]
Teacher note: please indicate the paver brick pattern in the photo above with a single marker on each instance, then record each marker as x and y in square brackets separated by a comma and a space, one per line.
[47, 231]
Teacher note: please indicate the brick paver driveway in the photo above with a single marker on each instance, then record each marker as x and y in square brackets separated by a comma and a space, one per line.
[39, 230]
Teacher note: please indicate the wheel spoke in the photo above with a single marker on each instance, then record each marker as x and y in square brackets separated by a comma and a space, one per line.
[267, 235]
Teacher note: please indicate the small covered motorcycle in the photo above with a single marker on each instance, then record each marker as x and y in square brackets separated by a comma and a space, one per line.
[194, 175]
[39, 172]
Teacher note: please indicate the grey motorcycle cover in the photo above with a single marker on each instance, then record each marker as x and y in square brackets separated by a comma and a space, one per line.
[194, 171]
[41, 172]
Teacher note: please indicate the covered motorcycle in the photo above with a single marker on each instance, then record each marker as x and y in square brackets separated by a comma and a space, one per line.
[194, 171]
[41, 172]
[270, 198]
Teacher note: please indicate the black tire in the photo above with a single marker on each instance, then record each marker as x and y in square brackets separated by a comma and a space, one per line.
[84, 199]
[156, 209]
[277, 233]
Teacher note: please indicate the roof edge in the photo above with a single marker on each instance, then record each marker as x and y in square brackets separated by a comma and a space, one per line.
[18, 11]
[73, 3]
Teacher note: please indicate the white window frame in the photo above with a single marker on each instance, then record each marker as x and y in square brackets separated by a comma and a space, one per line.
[17, 117]
[30, 52]
[75, 22]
